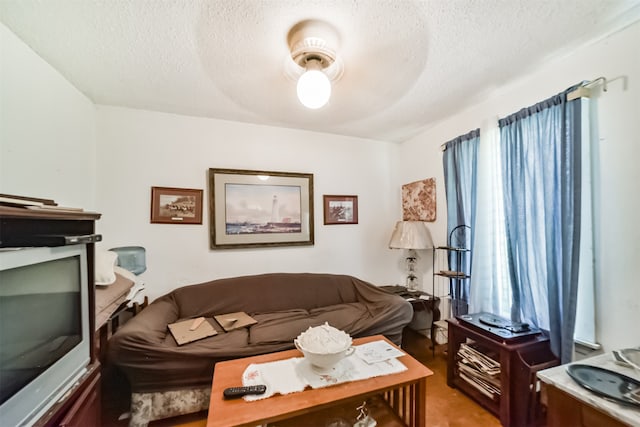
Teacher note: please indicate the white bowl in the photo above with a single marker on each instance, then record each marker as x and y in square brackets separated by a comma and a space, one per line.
[324, 346]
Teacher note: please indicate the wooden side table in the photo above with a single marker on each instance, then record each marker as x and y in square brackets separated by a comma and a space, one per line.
[420, 301]
[519, 362]
[111, 325]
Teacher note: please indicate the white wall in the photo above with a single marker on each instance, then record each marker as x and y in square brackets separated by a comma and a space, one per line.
[616, 195]
[140, 149]
[47, 130]
[49, 148]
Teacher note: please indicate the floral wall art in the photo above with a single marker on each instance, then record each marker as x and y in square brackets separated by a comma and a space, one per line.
[419, 200]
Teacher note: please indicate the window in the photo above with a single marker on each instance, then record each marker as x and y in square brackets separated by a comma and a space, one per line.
[532, 211]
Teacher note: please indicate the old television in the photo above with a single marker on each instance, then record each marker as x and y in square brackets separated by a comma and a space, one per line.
[44, 328]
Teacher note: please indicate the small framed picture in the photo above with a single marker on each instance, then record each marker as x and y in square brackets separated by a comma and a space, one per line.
[340, 209]
[176, 205]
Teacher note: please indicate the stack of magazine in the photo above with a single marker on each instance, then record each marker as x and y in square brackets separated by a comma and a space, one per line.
[479, 370]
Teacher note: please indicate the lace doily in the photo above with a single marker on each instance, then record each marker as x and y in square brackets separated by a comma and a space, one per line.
[295, 374]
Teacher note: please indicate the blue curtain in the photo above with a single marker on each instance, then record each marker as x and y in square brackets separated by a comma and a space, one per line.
[460, 179]
[541, 169]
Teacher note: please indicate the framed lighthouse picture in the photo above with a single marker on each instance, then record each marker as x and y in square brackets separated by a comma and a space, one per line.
[260, 208]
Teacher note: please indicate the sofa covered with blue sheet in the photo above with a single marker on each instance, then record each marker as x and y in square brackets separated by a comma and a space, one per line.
[283, 304]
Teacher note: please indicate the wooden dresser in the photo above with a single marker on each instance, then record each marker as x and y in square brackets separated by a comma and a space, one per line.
[569, 404]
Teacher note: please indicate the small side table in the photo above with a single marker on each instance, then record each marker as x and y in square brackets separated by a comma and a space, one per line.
[111, 325]
[420, 301]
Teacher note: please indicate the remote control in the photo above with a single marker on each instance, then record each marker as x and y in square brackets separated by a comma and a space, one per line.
[233, 392]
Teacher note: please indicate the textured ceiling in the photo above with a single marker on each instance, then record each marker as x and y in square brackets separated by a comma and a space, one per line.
[406, 63]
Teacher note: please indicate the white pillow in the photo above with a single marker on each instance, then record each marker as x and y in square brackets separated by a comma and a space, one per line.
[105, 267]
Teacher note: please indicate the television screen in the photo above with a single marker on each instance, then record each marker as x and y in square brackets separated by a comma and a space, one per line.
[44, 343]
[39, 320]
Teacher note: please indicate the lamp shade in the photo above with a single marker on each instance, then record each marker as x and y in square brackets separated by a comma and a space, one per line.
[411, 235]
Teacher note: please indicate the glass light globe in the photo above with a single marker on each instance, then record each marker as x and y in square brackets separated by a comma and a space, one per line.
[314, 89]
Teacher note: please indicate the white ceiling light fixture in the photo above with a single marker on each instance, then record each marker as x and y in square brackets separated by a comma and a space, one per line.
[313, 61]
[314, 87]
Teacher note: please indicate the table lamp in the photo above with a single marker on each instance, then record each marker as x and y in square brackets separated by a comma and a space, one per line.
[411, 235]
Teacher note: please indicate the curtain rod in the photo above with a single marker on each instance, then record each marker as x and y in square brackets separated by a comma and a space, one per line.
[584, 91]
[475, 133]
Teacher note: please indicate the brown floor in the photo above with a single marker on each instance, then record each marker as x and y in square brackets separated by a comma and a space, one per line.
[446, 407]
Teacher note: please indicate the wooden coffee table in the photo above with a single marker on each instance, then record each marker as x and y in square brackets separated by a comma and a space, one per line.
[402, 394]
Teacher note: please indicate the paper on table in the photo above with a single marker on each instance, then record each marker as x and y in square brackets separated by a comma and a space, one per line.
[377, 351]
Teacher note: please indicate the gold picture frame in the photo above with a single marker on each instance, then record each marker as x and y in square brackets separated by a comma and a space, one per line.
[250, 208]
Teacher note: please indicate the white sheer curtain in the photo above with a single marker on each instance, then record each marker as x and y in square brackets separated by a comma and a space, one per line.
[585, 315]
[490, 288]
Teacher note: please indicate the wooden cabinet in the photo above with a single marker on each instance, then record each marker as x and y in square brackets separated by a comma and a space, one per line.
[568, 403]
[81, 406]
[565, 410]
[86, 408]
[21, 227]
[519, 361]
